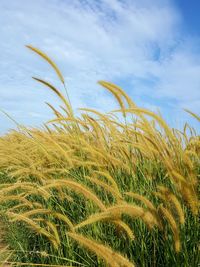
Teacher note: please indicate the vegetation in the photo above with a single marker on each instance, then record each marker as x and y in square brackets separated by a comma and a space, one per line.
[114, 189]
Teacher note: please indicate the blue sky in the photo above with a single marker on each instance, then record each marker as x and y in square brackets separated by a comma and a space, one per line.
[151, 48]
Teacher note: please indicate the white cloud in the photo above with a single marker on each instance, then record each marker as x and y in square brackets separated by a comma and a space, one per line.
[134, 43]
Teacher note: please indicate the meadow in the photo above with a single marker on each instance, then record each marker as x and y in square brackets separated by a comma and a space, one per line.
[100, 189]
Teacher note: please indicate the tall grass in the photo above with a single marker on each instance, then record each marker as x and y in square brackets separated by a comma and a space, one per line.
[101, 189]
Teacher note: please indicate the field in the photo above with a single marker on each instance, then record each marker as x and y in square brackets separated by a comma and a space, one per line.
[94, 189]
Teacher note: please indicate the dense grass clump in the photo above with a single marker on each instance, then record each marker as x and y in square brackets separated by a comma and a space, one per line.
[115, 189]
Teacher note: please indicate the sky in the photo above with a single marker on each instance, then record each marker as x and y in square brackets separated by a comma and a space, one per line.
[151, 48]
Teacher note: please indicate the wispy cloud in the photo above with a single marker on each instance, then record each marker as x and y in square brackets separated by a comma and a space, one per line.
[140, 45]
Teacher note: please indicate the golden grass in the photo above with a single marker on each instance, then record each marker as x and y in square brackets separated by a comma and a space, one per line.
[42, 162]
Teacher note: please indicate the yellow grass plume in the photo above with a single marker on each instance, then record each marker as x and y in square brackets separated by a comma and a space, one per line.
[169, 197]
[77, 187]
[111, 257]
[170, 219]
[45, 57]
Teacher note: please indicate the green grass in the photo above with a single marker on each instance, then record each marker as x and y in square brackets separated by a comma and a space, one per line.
[150, 248]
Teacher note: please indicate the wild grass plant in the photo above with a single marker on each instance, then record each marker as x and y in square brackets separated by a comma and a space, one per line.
[114, 189]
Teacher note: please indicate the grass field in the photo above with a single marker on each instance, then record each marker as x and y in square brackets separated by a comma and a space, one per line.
[116, 189]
